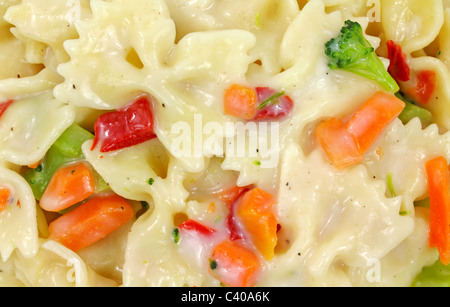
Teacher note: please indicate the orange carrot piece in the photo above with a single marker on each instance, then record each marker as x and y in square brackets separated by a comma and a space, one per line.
[256, 212]
[91, 221]
[339, 145]
[438, 188]
[346, 143]
[372, 118]
[229, 195]
[69, 185]
[240, 101]
[234, 264]
[5, 197]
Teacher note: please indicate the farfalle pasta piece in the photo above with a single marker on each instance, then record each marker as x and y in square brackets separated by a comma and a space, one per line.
[46, 23]
[65, 268]
[18, 223]
[352, 208]
[413, 23]
[444, 44]
[105, 39]
[438, 101]
[13, 52]
[43, 119]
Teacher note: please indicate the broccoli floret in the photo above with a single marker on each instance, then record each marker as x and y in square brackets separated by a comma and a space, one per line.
[351, 51]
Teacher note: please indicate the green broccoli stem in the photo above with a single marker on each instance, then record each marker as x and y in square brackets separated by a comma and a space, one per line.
[412, 110]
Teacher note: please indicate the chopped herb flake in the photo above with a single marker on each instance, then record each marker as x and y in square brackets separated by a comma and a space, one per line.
[270, 100]
[176, 235]
[212, 264]
[258, 20]
[390, 185]
[145, 205]
[150, 181]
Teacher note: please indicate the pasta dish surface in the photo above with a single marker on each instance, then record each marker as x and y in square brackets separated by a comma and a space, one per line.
[224, 143]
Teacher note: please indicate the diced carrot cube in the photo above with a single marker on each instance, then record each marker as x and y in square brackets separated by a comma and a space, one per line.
[234, 264]
[91, 221]
[68, 186]
[438, 189]
[339, 145]
[372, 118]
[5, 197]
[240, 101]
[256, 212]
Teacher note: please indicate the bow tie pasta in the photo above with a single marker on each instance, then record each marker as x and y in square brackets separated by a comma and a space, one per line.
[231, 143]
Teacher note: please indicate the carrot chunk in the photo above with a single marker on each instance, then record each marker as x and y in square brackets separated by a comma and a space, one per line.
[69, 185]
[240, 101]
[256, 212]
[438, 188]
[5, 197]
[234, 264]
[371, 119]
[346, 143]
[91, 221]
[229, 195]
[339, 145]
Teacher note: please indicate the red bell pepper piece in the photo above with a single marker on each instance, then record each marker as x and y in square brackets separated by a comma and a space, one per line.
[398, 66]
[278, 107]
[191, 225]
[233, 226]
[125, 127]
[425, 86]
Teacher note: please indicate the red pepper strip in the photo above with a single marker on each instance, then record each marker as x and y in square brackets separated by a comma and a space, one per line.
[425, 86]
[191, 225]
[279, 108]
[125, 127]
[398, 67]
[235, 230]
[5, 105]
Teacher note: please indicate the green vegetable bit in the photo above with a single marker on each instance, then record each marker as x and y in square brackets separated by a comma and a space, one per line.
[212, 264]
[437, 275]
[412, 110]
[390, 185]
[270, 100]
[176, 235]
[352, 52]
